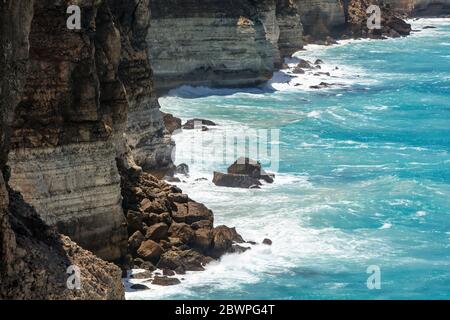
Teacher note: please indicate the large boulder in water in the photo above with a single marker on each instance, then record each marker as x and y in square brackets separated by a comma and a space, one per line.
[235, 180]
[246, 166]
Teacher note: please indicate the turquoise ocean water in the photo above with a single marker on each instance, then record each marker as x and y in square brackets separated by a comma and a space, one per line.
[363, 177]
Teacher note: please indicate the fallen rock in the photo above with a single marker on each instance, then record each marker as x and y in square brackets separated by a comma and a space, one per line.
[245, 166]
[157, 232]
[181, 231]
[168, 272]
[135, 241]
[182, 169]
[223, 238]
[234, 180]
[139, 286]
[303, 64]
[165, 281]
[172, 123]
[150, 251]
[318, 61]
[191, 212]
[267, 242]
[142, 275]
[203, 239]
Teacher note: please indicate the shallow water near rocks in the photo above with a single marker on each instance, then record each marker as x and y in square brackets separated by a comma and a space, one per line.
[363, 178]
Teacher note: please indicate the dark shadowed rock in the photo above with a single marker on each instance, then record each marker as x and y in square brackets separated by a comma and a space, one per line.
[157, 232]
[223, 239]
[142, 275]
[267, 242]
[172, 123]
[181, 231]
[139, 286]
[182, 169]
[245, 166]
[234, 180]
[191, 212]
[165, 281]
[135, 241]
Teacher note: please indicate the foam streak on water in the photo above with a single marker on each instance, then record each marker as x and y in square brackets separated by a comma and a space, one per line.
[364, 175]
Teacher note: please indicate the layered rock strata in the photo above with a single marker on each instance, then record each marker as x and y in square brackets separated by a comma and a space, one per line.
[209, 42]
[65, 129]
[33, 257]
[321, 18]
[151, 146]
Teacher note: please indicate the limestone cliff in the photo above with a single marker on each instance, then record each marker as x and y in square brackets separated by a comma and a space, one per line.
[33, 257]
[208, 42]
[421, 8]
[321, 18]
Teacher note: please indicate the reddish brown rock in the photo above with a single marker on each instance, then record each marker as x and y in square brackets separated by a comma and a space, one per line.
[150, 251]
[157, 232]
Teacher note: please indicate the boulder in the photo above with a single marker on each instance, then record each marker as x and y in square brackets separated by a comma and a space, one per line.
[165, 281]
[234, 180]
[303, 64]
[150, 251]
[198, 123]
[182, 169]
[134, 221]
[181, 231]
[191, 212]
[318, 61]
[223, 239]
[188, 260]
[142, 275]
[178, 197]
[135, 241]
[203, 239]
[157, 231]
[267, 242]
[207, 224]
[245, 166]
[172, 123]
[139, 286]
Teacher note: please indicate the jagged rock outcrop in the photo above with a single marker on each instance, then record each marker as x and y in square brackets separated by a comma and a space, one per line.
[208, 42]
[33, 257]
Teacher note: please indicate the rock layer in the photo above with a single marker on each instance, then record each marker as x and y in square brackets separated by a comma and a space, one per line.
[33, 257]
[209, 42]
[72, 111]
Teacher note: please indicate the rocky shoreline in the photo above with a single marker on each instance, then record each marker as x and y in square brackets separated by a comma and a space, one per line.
[81, 131]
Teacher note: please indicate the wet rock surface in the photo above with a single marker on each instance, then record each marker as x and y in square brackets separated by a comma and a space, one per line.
[243, 173]
[170, 230]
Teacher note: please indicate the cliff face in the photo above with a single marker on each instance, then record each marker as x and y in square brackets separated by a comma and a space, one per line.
[209, 42]
[421, 8]
[321, 18]
[72, 111]
[33, 258]
[151, 146]
[291, 28]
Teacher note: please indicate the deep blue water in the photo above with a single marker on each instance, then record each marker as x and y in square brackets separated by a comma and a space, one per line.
[363, 177]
